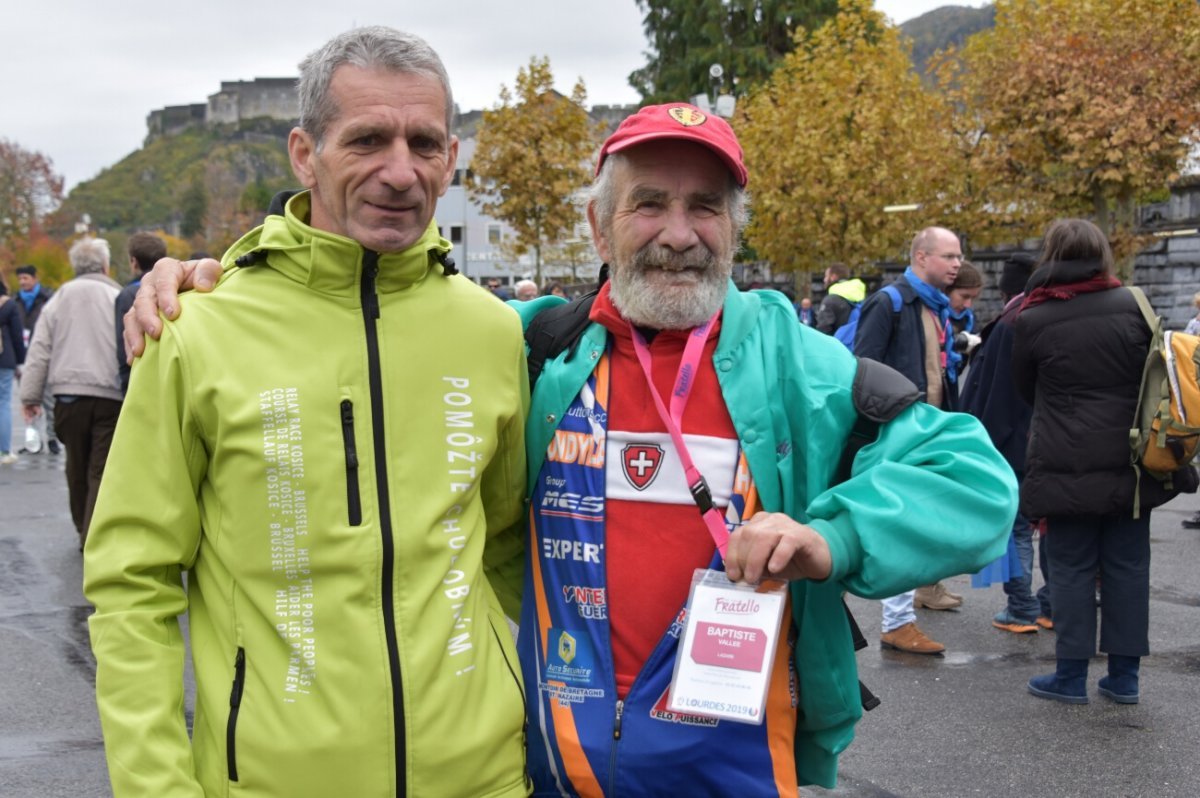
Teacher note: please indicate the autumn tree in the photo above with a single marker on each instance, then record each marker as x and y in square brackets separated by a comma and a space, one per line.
[842, 129]
[746, 37]
[29, 190]
[532, 154]
[1075, 107]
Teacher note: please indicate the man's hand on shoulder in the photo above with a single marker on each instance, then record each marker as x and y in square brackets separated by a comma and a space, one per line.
[159, 291]
[772, 544]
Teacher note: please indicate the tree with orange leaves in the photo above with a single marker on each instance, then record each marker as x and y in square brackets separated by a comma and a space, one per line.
[1073, 107]
[29, 189]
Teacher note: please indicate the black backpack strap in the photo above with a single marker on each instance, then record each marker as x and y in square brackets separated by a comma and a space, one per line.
[559, 328]
[880, 393]
[555, 331]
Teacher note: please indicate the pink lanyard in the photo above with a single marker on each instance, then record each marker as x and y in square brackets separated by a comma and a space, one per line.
[688, 367]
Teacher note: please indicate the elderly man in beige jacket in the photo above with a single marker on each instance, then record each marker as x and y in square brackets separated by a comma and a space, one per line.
[73, 352]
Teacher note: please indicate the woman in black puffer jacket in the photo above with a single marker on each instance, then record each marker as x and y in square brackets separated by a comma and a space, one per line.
[1080, 346]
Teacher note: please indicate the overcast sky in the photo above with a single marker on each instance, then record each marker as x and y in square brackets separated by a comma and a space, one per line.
[77, 77]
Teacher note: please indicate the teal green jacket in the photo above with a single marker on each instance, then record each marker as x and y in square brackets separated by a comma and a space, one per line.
[929, 499]
[331, 466]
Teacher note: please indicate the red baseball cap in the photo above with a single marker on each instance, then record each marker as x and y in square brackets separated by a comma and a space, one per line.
[678, 121]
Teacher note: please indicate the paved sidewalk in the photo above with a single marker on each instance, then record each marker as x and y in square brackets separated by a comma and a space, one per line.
[952, 726]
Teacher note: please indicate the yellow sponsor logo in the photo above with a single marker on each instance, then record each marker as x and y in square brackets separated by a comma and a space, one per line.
[688, 117]
[566, 648]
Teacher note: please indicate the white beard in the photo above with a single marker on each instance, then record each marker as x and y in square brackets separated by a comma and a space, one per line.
[650, 295]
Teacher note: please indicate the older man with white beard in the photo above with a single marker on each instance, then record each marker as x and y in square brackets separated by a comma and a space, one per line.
[682, 394]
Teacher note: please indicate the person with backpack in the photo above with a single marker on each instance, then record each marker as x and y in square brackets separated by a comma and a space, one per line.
[844, 296]
[906, 325]
[1080, 345]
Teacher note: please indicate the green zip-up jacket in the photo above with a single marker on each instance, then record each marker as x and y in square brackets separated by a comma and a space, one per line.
[930, 498]
[330, 446]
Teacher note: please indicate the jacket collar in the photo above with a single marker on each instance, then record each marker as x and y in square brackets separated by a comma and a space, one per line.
[330, 263]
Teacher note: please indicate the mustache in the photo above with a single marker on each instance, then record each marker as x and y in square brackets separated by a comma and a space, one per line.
[655, 256]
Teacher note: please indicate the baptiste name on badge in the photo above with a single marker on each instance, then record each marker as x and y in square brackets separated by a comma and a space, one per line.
[723, 665]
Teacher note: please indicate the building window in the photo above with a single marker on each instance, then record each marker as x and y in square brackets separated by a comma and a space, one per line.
[493, 234]
[456, 234]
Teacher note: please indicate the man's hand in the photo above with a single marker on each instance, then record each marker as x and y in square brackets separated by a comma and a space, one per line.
[30, 412]
[772, 544]
[160, 291]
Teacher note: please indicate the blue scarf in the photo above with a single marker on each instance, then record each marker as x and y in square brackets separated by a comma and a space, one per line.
[965, 313]
[939, 303]
[28, 296]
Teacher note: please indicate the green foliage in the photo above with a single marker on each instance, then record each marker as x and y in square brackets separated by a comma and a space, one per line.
[746, 37]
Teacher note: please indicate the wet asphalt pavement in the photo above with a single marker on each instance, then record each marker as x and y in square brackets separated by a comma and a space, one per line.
[958, 725]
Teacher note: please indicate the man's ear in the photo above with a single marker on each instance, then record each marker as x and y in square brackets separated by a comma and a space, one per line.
[599, 240]
[451, 165]
[301, 151]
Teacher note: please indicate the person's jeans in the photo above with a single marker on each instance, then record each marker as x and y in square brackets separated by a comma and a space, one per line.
[6, 410]
[897, 611]
[1043, 595]
[1021, 603]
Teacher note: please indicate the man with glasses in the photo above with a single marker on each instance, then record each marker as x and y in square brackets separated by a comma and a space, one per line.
[906, 326]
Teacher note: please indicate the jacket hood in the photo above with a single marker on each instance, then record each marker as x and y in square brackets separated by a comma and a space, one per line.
[1063, 272]
[853, 290]
[321, 260]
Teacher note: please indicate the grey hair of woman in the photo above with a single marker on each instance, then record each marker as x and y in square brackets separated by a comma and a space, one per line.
[372, 47]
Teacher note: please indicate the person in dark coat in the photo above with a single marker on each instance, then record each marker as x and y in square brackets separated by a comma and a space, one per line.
[990, 395]
[12, 355]
[1079, 348]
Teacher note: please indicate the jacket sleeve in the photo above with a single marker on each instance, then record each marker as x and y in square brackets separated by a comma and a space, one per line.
[145, 532]
[16, 333]
[931, 497]
[37, 359]
[827, 315]
[874, 328]
[1024, 368]
[503, 494]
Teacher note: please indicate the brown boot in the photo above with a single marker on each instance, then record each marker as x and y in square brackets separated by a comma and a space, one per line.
[911, 639]
[935, 597]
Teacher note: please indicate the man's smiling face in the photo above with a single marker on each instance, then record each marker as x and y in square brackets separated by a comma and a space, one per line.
[384, 159]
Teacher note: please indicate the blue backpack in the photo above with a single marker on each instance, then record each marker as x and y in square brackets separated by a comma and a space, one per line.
[849, 330]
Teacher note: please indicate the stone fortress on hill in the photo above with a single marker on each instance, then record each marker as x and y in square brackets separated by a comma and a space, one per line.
[238, 100]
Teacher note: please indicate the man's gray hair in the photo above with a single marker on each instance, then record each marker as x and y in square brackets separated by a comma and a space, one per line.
[89, 256]
[602, 195]
[372, 47]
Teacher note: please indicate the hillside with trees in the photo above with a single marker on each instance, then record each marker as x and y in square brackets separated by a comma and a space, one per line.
[205, 185]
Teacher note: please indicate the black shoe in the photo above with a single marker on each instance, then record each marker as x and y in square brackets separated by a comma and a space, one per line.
[23, 450]
[53, 446]
[1192, 523]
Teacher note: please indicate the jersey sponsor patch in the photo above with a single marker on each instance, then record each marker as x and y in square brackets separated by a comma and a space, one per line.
[647, 469]
[590, 602]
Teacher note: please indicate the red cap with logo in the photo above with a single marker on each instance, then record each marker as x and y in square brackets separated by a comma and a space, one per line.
[678, 121]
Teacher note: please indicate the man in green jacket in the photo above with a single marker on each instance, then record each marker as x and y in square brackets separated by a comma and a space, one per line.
[765, 408]
[330, 447]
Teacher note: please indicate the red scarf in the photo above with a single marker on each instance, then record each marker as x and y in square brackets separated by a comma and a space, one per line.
[1064, 291]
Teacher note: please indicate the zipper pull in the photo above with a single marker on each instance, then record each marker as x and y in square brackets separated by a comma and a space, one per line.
[617, 725]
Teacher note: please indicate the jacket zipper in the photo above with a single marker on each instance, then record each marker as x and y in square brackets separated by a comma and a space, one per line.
[370, 309]
[352, 498]
[520, 689]
[612, 765]
[235, 703]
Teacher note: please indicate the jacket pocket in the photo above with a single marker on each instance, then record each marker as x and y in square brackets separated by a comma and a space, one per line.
[353, 501]
[513, 671]
[235, 703]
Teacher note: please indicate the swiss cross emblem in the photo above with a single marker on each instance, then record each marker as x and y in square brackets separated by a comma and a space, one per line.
[641, 462]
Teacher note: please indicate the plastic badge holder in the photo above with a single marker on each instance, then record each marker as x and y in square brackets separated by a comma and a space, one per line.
[724, 660]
